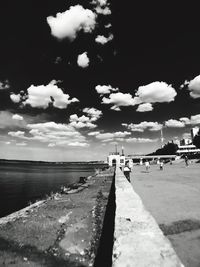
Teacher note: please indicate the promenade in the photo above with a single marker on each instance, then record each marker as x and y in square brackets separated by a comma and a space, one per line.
[173, 198]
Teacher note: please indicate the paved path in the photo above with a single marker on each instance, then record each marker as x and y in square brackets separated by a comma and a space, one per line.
[173, 198]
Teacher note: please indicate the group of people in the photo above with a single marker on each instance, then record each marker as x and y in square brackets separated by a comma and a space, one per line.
[159, 162]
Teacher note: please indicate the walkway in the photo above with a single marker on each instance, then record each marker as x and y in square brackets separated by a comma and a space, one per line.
[173, 198]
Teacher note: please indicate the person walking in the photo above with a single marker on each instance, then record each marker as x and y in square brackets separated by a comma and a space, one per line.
[127, 171]
[147, 165]
[161, 165]
[186, 160]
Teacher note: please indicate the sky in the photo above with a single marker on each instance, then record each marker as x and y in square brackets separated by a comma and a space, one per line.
[78, 78]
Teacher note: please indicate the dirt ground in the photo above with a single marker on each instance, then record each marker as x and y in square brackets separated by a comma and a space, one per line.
[172, 195]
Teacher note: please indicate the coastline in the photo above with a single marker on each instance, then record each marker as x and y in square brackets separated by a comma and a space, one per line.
[64, 228]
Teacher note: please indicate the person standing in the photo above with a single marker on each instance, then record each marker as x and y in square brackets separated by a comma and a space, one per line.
[147, 165]
[186, 160]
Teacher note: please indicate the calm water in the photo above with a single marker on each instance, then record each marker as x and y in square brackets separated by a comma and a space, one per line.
[21, 183]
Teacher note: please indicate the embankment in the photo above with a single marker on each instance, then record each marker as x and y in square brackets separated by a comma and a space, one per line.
[63, 230]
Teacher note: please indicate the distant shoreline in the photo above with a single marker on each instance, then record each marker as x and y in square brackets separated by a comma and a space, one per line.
[50, 162]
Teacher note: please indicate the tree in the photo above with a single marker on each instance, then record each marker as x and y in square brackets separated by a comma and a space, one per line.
[168, 149]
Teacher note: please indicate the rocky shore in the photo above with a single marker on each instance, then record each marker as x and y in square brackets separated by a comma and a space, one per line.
[62, 230]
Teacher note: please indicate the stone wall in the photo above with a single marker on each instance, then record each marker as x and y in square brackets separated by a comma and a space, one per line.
[138, 240]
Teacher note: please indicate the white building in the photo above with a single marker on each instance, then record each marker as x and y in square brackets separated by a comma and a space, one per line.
[115, 159]
[187, 149]
[194, 131]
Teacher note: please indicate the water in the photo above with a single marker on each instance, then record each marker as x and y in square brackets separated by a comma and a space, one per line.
[25, 182]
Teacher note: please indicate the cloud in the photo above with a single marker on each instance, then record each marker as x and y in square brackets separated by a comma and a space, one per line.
[4, 85]
[140, 140]
[145, 107]
[55, 133]
[174, 124]
[51, 133]
[94, 133]
[19, 134]
[103, 11]
[42, 96]
[106, 137]
[83, 60]
[195, 119]
[100, 39]
[156, 92]
[15, 98]
[21, 144]
[119, 99]
[81, 122]
[7, 121]
[102, 7]
[93, 113]
[145, 125]
[17, 117]
[105, 89]
[184, 121]
[70, 22]
[194, 87]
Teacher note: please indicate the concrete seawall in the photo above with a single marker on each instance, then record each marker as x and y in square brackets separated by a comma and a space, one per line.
[138, 241]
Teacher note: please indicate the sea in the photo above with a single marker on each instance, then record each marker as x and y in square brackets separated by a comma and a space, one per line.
[24, 182]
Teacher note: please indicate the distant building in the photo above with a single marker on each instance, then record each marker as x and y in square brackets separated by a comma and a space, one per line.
[187, 150]
[185, 142]
[115, 159]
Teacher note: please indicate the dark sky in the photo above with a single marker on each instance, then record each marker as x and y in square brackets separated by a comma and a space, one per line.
[152, 43]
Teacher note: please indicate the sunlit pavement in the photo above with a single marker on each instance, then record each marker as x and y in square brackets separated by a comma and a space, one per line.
[173, 195]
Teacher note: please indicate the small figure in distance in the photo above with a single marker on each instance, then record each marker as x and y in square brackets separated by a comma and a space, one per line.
[127, 171]
[161, 165]
[170, 161]
[186, 160]
[147, 165]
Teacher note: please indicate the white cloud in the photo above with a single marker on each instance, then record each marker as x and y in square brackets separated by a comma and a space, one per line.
[70, 22]
[16, 134]
[194, 87]
[186, 82]
[83, 60]
[145, 107]
[93, 113]
[156, 92]
[101, 39]
[195, 119]
[8, 143]
[93, 133]
[105, 89]
[120, 99]
[17, 117]
[106, 137]
[103, 11]
[52, 133]
[79, 144]
[7, 121]
[51, 145]
[21, 144]
[102, 7]
[140, 140]
[81, 122]
[4, 85]
[145, 125]
[174, 124]
[42, 95]
[15, 98]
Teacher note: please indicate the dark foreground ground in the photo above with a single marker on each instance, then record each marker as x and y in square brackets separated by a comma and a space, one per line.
[173, 198]
[64, 231]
